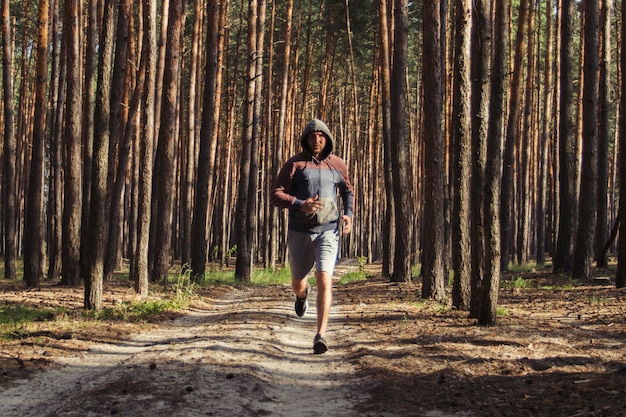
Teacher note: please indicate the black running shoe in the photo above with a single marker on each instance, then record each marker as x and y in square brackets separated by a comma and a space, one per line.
[319, 344]
[302, 303]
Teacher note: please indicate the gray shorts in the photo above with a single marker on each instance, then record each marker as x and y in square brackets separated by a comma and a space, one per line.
[306, 249]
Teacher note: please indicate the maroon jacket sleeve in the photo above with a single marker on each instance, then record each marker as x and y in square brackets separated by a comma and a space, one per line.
[282, 186]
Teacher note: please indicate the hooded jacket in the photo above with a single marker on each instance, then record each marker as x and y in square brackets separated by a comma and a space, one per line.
[303, 177]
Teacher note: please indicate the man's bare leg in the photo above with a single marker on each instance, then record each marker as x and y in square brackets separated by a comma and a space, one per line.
[299, 287]
[324, 298]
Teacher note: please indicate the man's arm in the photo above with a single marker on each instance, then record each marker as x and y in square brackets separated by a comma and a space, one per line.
[282, 185]
[347, 197]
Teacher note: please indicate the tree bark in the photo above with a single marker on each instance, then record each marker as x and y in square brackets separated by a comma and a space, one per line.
[33, 221]
[583, 250]
[620, 274]
[507, 212]
[562, 260]
[388, 237]
[72, 207]
[165, 157]
[55, 181]
[191, 135]
[604, 126]
[400, 146]
[461, 137]
[148, 68]
[481, 53]
[119, 141]
[97, 232]
[545, 139]
[279, 148]
[434, 239]
[526, 171]
[204, 174]
[487, 310]
[9, 149]
[88, 119]
[243, 267]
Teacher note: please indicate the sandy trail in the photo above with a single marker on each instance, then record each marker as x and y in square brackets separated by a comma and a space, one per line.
[244, 354]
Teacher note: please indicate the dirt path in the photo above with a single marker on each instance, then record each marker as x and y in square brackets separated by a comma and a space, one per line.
[240, 354]
[558, 350]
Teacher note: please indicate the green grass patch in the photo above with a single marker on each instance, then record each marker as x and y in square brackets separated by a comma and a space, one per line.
[442, 307]
[271, 276]
[19, 314]
[135, 311]
[596, 299]
[565, 286]
[501, 311]
[16, 319]
[218, 278]
[518, 282]
[526, 267]
[260, 277]
[352, 277]
[19, 269]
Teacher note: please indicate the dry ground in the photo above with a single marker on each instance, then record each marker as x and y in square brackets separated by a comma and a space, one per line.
[559, 350]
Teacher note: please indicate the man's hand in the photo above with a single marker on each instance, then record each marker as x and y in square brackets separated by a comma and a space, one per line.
[347, 224]
[311, 205]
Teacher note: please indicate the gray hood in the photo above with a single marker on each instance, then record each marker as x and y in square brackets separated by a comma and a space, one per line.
[317, 125]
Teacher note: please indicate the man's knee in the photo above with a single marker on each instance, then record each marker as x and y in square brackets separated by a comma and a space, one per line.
[324, 280]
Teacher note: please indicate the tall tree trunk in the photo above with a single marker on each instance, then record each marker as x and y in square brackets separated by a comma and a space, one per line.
[191, 136]
[487, 308]
[147, 69]
[604, 125]
[385, 69]
[481, 64]
[132, 135]
[279, 148]
[545, 140]
[9, 148]
[23, 119]
[243, 266]
[527, 147]
[55, 183]
[160, 66]
[620, 274]
[562, 260]
[245, 222]
[165, 157]
[218, 198]
[33, 221]
[89, 99]
[72, 206]
[199, 238]
[267, 226]
[97, 232]
[119, 141]
[583, 250]
[461, 137]
[256, 198]
[434, 169]
[400, 145]
[512, 134]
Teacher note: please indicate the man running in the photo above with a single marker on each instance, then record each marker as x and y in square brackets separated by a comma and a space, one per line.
[307, 185]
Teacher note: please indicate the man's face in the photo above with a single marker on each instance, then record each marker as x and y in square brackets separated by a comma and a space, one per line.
[316, 142]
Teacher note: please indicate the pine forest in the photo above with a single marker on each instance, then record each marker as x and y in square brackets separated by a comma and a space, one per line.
[478, 135]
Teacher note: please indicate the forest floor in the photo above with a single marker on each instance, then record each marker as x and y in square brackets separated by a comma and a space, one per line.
[559, 349]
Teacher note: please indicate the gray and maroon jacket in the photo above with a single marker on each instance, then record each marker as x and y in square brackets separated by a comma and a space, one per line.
[304, 177]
